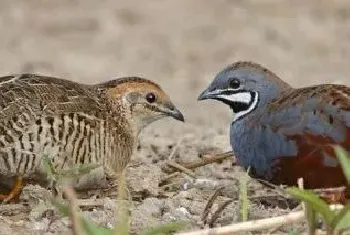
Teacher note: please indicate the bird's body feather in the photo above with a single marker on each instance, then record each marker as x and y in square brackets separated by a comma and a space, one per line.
[283, 133]
[61, 119]
[294, 137]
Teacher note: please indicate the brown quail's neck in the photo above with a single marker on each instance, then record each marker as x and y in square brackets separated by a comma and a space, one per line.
[118, 114]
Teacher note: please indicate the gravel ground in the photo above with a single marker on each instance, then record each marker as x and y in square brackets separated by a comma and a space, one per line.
[180, 45]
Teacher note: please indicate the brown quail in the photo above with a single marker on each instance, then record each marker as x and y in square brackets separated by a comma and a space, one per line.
[73, 123]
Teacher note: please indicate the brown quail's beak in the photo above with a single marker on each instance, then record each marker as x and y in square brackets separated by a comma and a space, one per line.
[177, 115]
[172, 111]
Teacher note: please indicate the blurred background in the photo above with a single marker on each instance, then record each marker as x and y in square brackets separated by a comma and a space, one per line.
[180, 44]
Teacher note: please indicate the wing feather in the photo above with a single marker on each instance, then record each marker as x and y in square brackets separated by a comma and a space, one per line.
[315, 119]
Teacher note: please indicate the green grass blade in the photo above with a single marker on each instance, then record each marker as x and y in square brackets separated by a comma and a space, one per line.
[123, 207]
[310, 218]
[93, 229]
[49, 168]
[164, 229]
[62, 208]
[317, 204]
[344, 160]
[89, 227]
[342, 219]
[243, 196]
[79, 170]
[293, 232]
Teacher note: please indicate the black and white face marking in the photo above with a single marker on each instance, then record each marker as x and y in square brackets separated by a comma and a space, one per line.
[240, 101]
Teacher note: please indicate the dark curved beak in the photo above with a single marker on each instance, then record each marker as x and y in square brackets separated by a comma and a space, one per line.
[177, 115]
[207, 94]
[172, 111]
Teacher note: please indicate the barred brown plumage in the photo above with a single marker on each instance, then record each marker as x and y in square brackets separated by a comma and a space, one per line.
[74, 123]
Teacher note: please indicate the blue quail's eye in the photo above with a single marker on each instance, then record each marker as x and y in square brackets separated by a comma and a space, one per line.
[234, 83]
[150, 97]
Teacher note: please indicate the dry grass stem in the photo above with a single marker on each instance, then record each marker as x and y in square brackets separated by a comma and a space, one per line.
[218, 212]
[210, 204]
[204, 161]
[257, 225]
[209, 160]
[182, 168]
[13, 209]
[253, 225]
[172, 154]
[169, 177]
[73, 210]
[90, 203]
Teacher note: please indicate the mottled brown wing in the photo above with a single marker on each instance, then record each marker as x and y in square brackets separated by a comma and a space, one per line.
[30, 103]
[316, 118]
[28, 96]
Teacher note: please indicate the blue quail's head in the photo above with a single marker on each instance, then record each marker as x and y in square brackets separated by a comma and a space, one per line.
[244, 86]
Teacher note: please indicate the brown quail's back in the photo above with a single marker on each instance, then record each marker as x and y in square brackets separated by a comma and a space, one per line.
[74, 123]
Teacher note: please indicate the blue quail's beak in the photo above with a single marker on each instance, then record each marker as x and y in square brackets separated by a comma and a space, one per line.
[207, 94]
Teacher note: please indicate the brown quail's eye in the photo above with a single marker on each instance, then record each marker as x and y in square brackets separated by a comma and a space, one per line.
[150, 97]
[234, 83]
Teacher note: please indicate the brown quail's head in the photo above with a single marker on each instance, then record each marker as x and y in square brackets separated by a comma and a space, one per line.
[143, 100]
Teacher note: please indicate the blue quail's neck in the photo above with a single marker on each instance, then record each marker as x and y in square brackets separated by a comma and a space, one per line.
[246, 133]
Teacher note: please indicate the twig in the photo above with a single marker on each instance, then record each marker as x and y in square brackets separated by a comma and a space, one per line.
[210, 204]
[169, 187]
[267, 196]
[13, 209]
[253, 225]
[325, 190]
[168, 177]
[257, 225]
[208, 160]
[73, 210]
[88, 203]
[181, 168]
[333, 195]
[274, 230]
[218, 212]
[172, 154]
[203, 161]
[279, 188]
